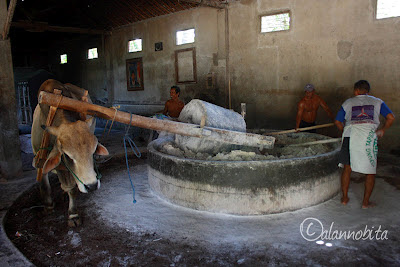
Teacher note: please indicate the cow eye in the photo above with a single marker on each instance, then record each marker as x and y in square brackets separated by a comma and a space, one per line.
[69, 158]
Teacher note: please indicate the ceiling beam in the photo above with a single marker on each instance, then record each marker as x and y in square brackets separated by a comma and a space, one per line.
[43, 26]
[210, 3]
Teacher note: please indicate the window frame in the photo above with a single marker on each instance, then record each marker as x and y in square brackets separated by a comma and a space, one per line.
[135, 40]
[176, 37]
[66, 57]
[97, 52]
[375, 13]
[272, 13]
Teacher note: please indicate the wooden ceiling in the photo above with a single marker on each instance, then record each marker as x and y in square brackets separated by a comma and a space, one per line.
[96, 16]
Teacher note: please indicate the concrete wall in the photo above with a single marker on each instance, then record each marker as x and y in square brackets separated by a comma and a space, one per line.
[331, 43]
[10, 158]
[159, 66]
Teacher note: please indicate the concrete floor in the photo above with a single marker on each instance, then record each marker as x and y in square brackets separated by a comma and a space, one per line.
[278, 236]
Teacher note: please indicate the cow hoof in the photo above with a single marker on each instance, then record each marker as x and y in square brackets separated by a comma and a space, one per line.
[74, 220]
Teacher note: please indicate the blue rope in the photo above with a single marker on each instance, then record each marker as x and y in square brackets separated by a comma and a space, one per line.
[137, 154]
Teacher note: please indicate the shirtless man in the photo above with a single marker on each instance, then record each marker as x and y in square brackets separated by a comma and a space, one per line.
[307, 108]
[174, 106]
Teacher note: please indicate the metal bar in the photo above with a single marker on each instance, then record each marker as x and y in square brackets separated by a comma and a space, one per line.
[208, 133]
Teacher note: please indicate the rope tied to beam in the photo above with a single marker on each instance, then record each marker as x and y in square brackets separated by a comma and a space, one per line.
[135, 151]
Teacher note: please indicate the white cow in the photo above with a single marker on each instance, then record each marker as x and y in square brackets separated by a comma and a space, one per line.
[72, 146]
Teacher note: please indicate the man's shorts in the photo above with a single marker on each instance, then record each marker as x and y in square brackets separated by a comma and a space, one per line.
[344, 154]
[304, 124]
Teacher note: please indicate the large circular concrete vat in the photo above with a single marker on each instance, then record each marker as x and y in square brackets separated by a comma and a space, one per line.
[243, 187]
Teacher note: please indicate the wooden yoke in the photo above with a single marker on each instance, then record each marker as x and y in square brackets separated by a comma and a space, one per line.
[43, 152]
[84, 99]
[186, 129]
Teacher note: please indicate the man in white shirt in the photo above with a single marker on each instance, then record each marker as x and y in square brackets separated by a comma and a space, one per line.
[358, 118]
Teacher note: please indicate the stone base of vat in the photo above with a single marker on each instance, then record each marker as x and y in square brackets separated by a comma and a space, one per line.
[243, 187]
[243, 202]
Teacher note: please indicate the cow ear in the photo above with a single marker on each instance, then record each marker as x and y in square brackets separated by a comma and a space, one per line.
[52, 130]
[101, 150]
[52, 163]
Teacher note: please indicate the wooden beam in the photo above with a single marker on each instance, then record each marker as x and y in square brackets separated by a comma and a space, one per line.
[10, 14]
[43, 26]
[209, 3]
[207, 133]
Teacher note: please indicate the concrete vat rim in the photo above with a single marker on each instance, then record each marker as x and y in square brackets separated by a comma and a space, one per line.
[255, 187]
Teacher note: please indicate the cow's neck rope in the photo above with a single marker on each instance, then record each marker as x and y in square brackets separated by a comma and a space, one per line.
[98, 174]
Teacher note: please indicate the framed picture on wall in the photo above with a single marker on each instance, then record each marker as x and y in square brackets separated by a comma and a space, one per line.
[185, 66]
[134, 74]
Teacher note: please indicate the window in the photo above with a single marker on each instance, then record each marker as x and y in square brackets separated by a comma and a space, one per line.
[63, 58]
[92, 53]
[387, 9]
[185, 37]
[276, 22]
[135, 45]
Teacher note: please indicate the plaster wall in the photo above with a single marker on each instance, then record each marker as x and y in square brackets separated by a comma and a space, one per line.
[159, 66]
[79, 70]
[331, 44]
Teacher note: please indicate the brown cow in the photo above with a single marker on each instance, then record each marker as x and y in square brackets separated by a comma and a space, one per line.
[72, 145]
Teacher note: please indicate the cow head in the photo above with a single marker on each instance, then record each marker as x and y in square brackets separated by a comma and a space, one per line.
[76, 144]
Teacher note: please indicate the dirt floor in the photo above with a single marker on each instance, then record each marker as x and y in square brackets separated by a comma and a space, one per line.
[47, 241]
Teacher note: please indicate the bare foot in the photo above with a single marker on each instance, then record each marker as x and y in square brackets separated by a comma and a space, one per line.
[345, 200]
[369, 205]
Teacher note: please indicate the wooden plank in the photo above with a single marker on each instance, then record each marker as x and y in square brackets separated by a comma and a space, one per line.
[208, 133]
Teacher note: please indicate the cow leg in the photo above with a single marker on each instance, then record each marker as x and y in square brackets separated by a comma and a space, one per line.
[73, 216]
[68, 184]
[45, 193]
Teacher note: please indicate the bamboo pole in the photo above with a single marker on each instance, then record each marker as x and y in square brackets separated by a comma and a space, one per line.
[326, 141]
[208, 133]
[302, 129]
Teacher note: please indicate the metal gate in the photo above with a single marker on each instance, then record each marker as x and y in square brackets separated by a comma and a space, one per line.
[24, 104]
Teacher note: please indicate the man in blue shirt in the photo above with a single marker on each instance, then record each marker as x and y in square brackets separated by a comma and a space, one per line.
[358, 118]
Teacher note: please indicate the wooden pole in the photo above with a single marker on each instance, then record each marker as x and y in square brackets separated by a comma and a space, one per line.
[10, 15]
[43, 26]
[326, 141]
[302, 129]
[208, 133]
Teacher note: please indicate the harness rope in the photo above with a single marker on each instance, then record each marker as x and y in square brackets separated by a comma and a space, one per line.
[135, 151]
[64, 161]
[112, 122]
[98, 174]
